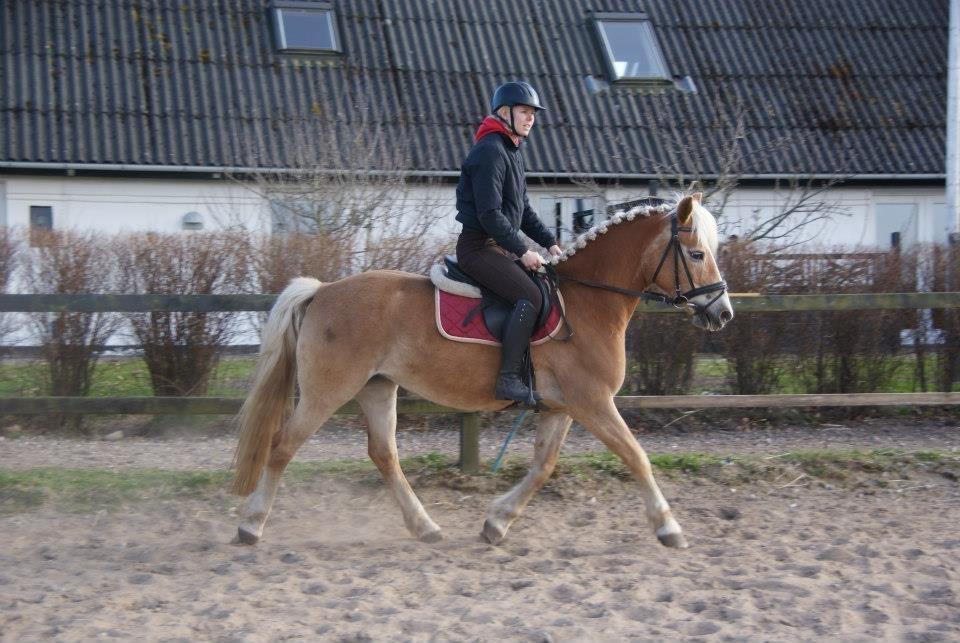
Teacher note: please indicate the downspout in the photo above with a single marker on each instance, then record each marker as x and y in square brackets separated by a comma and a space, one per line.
[953, 119]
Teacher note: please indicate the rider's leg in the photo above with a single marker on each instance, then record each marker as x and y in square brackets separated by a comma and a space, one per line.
[496, 269]
[516, 339]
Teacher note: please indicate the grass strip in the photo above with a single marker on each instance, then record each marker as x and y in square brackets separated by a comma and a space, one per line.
[92, 489]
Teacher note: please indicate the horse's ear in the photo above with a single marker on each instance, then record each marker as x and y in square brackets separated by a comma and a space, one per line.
[685, 209]
[698, 197]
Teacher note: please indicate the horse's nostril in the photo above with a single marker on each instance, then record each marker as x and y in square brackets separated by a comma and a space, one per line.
[726, 316]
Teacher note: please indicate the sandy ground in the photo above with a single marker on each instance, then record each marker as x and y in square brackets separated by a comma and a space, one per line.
[769, 559]
[336, 564]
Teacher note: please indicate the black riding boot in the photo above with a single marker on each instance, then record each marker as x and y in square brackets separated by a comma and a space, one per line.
[516, 339]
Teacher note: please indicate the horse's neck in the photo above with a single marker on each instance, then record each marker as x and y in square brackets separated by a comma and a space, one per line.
[613, 259]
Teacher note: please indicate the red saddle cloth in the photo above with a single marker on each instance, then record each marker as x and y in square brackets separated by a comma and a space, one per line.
[452, 310]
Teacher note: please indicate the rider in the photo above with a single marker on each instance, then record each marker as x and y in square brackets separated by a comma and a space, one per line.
[492, 205]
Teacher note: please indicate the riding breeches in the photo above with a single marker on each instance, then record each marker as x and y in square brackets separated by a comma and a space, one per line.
[483, 259]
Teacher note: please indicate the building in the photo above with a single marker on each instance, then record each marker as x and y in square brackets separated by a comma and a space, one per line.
[134, 114]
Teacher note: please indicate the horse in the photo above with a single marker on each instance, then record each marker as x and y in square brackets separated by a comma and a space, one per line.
[363, 336]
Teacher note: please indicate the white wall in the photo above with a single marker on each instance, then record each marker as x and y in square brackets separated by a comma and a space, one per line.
[856, 214]
[126, 205]
[120, 204]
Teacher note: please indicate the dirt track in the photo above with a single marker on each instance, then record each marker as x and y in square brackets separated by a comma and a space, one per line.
[348, 441]
[771, 559]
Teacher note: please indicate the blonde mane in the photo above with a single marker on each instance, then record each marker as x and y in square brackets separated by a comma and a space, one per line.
[704, 226]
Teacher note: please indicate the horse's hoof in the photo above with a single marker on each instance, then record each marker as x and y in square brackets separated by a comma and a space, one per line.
[675, 540]
[245, 537]
[432, 537]
[491, 534]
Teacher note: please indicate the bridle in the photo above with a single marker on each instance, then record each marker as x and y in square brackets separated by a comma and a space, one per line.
[681, 299]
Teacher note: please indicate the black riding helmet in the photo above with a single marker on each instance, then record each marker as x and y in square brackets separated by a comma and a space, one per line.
[515, 93]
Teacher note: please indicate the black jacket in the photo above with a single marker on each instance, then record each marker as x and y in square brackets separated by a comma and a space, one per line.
[492, 195]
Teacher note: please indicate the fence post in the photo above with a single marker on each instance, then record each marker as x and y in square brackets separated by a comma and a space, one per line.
[469, 442]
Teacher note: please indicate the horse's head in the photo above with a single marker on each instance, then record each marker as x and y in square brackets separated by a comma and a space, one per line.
[685, 269]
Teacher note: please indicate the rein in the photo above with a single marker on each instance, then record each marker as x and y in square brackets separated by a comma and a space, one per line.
[681, 298]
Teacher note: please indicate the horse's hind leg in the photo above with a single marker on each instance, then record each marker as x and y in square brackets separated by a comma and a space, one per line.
[605, 422]
[551, 432]
[309, 415]
[378, 399]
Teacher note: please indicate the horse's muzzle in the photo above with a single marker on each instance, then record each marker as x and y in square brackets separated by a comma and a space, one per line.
[714, 316]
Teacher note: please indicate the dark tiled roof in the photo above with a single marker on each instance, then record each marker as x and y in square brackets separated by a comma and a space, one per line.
[826, 86]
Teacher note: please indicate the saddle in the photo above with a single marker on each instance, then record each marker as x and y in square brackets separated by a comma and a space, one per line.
[468, 312]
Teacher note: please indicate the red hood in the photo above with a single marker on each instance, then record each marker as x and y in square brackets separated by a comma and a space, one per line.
[491, 125]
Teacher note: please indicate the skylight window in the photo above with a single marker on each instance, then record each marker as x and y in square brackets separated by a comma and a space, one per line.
[305, 27]
[630, 48]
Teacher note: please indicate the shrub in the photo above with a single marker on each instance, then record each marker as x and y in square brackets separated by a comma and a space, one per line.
[276, 259]
[753, 342]
[946, 277]
[68, 262]
[661, 349]
[840, 351]
[181, 349]
[9, 255]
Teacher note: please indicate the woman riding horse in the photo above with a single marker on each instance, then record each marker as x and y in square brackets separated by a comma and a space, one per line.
[492, 205]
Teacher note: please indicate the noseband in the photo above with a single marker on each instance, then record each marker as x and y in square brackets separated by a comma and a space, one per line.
[681, 298]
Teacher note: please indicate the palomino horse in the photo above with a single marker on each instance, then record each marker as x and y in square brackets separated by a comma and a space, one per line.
[363, 336]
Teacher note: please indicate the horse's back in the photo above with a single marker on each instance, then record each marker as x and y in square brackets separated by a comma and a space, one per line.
[377, 296]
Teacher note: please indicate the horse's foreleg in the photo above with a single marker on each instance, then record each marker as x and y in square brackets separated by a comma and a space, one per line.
[551, 432]
[378, 399]
[606, 423]
[304, 422]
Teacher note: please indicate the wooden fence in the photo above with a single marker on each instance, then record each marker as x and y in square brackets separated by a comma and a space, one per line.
[470, 425]
[238, 303]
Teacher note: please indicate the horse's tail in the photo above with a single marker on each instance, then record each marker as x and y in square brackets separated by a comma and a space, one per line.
[271, 396]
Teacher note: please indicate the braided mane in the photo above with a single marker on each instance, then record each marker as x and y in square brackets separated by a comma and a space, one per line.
[704, 225]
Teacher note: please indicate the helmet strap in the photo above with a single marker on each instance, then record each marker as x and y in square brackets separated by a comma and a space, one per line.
[510, 123]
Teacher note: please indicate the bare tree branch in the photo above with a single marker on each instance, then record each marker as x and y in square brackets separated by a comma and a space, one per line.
[716, 166]
[348, 179]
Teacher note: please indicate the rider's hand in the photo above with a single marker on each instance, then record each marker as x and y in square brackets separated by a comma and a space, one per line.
[531, 260]
[555, 251]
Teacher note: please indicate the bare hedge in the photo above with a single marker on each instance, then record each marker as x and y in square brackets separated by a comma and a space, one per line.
[64, 261]
[842, 351]
[9, 256]
[181, 349]
[821, 351]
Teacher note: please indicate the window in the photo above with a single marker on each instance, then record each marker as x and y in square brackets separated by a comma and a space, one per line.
[896, 225]
[630, 48]
[41, 222]
[568, 216]
[942, 225]
[296, 216]
[305, 27]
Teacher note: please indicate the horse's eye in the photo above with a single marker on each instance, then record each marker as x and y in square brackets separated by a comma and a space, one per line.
[696, 255]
